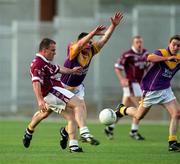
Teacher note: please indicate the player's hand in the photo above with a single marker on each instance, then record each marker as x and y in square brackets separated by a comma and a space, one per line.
[43, 106]
[117, 18]
[77, 70]
[178, 58]
[99, 30]
[124, 82]
[173, 58]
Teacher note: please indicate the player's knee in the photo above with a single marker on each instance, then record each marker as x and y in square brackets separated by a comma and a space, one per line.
[176, 115]
[70, 118]
[79, 106]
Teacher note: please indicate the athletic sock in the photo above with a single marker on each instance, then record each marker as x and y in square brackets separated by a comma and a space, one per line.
[64, 132]
[84, 132]
[134, 127]
[73, 143]
[172, 139]
[29, 131]
[122, 110]
[110, 127]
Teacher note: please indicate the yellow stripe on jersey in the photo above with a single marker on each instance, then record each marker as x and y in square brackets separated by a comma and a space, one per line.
[178, 56]
[72, 53]
[170, 64]
[96, 48]
[84, 59]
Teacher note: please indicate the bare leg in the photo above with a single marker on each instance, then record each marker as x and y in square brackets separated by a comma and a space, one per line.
[37, 118]
[80, 113]
[71, 126]
[69, 132]
[79, 109]
[174, 110]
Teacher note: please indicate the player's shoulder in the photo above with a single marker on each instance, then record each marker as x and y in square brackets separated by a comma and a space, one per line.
[128, 53]
[37, 62]
[145, 50]
[72, 43]
[161, 52]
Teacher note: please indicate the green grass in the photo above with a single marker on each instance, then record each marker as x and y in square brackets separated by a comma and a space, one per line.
[45, 146]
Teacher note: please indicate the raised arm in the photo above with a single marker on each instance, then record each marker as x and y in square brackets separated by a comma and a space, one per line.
[82, 42]
[115, 20]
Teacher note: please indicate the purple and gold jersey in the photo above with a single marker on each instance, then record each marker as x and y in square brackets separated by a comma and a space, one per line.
[159, 74]
[79, 59]
[133, 64]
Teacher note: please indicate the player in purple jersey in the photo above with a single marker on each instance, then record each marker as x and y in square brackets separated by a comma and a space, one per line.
[52, 96]
[130, 68]
[157, 89]
[80, 53]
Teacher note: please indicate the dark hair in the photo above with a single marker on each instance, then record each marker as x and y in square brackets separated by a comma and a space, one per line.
[176, 37]
[137, 37]
[81, 35]
[45, 43]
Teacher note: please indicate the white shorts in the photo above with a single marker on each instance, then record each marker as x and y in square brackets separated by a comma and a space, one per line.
[79, 91]
[57, 99]
[133, 90]
[158, 97]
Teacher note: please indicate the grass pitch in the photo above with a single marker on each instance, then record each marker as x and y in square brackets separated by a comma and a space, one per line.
[45, 148]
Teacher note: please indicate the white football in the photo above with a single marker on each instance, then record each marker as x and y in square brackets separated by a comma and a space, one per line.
[107, 116]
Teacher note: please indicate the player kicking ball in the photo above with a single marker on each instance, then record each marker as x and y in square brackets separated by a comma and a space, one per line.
[165, 63]
[51, 97]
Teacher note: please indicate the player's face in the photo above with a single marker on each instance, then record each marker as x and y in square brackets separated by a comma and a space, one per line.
[50, 52]
[87, 47]
[174, 46]
[138, 44]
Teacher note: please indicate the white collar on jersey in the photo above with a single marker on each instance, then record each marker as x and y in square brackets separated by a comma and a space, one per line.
[135, 50]
[42, 57]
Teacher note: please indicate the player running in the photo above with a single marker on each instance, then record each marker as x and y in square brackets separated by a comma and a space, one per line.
[157, 89]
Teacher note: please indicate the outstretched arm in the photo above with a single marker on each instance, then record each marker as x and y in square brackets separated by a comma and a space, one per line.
[82, 42]
[115, 20]
[74, 71]
[155, 58]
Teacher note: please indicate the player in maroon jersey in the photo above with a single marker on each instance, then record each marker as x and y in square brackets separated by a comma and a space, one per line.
[52, 96]
[130, 68]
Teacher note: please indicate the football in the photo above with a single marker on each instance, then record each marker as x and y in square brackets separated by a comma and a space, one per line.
[107, 116]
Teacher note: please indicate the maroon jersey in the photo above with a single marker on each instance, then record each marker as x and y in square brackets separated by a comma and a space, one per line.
[43, 71]
[133, 64]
